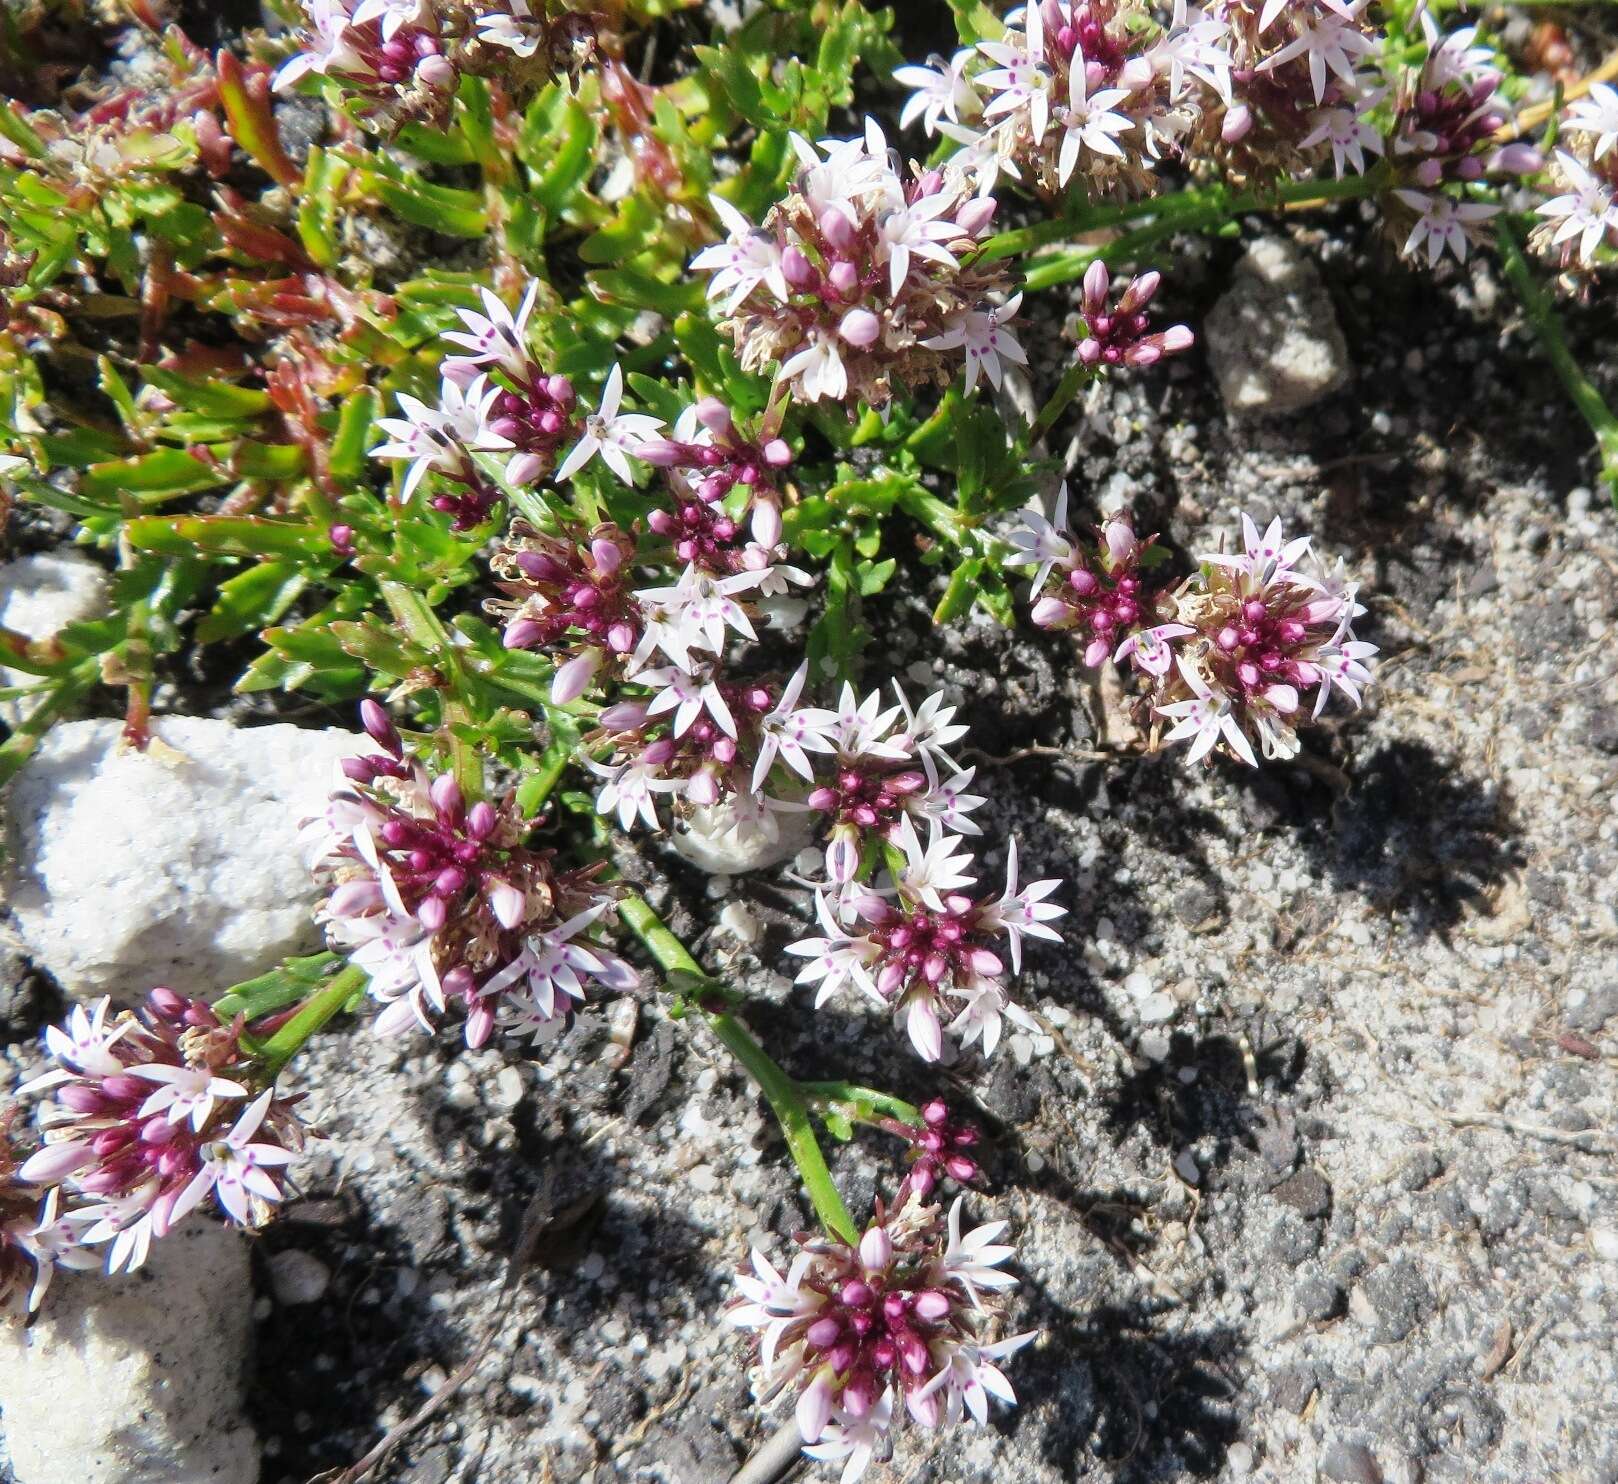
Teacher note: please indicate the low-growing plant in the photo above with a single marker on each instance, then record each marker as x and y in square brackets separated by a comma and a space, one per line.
[586, 506]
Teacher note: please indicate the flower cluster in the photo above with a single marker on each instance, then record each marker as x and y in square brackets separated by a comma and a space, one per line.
[860, 278]
[151, 1112]
[402, 59]
[1230, 654]
[496, 399]
[923, 949]
[1073, 90]
[443, 904]
[900, 1325]
[1580, 229]
[1100, 91]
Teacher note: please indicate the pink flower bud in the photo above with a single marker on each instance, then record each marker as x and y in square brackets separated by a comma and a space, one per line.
[432, 914]
[778, 453]
[524, 468]
[837, 230]
[573, 678]
[931, 1305]
[860, 327]
[766, 523]
[974, 218]
[714, 416]
[844, 278]
[814, 1409]
[800, 272]
[1238, 121]
[522, 633]
[436, 72]
[876, 1250]
[446, 794]
[607, 555]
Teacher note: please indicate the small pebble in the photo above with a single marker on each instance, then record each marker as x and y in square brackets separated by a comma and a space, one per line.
[1185, 1166]
[298, 1277]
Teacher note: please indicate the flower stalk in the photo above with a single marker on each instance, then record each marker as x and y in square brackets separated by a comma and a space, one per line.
[344, 988]
[784, 1096]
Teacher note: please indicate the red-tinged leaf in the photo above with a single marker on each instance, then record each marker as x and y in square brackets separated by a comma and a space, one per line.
[263, 243]
[246, 96]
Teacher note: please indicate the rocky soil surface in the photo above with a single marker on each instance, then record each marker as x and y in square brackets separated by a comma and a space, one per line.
[1312, 1165]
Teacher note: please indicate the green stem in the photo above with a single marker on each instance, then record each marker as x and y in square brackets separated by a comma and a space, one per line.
[1066, 390]
[1547, 326]
[1188, 208]
[320, 1007]
[64, 696]
[780, 1091]
[415, 616]
[847, 1097]
[284, 985]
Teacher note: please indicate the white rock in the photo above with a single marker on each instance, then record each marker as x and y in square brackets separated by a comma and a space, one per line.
[136, 1379]
[1273, 339]
[298, 1277]
[1158, 1007]
[39, 595]
[175, 866]
[711, 841]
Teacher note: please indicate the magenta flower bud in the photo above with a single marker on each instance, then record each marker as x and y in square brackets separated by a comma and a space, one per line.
[935, 1112]
[1139, 293]
[449, 881]
[380, 727]
[960, 1167]
[607, 555]
[481, 820]
[778, 453]
[837, 230]
[621, 638]
[844, 278]
[855, 1294]
[341, 538]
[560, 390]
[860, 328]
[432, 913]
[922, 1180]
[931, 1305]
[436, 72]
[800, 272]
[824, 1333]
[1429, 172]
[975, 216]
